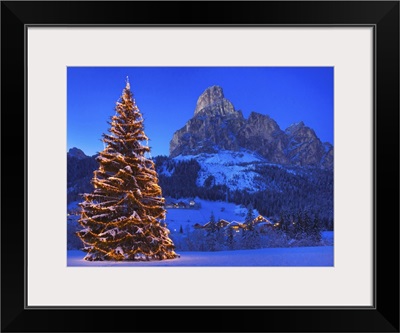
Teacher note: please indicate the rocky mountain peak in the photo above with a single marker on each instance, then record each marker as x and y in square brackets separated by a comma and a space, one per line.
[216, 126]
[212, 101]
[263, 122]
[77, 153]
[295, 127]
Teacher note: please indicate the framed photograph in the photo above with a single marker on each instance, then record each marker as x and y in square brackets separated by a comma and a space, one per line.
[190, 159]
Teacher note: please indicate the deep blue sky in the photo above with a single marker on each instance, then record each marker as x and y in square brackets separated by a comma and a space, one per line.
[167, 96]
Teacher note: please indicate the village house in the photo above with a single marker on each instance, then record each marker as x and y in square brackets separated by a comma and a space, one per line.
[261, 223]
[170, 204]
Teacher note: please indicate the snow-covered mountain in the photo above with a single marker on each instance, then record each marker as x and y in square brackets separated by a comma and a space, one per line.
[246, 177]
[216, 125]
[221, 156]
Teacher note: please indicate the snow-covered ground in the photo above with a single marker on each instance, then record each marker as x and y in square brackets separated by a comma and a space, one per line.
[300, 257]
[186, 218]
[327, 237]
[177, 217]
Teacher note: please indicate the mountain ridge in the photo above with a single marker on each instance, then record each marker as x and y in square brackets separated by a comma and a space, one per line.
[217, 125]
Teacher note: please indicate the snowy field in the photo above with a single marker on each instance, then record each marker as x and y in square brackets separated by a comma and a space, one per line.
[188, 217]
[300, 257]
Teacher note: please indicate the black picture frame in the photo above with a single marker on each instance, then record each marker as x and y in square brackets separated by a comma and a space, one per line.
[383, 316]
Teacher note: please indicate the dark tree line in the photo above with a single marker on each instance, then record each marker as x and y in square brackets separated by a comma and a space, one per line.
[79, 176]
[290, 189]
[292, 230]
[301, 228]
[177, 179]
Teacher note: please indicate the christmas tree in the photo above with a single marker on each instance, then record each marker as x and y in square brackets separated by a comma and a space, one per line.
[122, 217]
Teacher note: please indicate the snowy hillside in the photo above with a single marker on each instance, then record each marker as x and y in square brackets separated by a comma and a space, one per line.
[236, 170]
